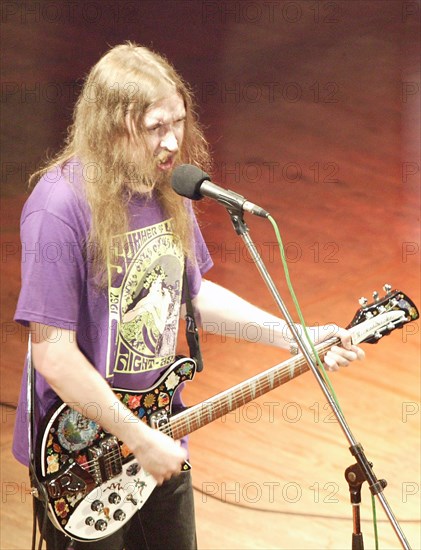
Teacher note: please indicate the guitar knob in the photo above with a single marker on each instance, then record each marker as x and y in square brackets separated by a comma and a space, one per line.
[376, 296]
[114, 498]
[97, 506]
[363, 301]
[387, 288]
[119, 515]
[101, 525]
[89, 521]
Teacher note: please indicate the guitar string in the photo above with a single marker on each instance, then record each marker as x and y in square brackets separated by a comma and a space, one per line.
[246, 390]
[224, 404]
[183, 419]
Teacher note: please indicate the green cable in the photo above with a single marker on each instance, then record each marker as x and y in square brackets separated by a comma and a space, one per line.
[298, 309]
[376, 534]
[316, 355]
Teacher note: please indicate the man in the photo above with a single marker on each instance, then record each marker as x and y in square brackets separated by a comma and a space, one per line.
[103, 295]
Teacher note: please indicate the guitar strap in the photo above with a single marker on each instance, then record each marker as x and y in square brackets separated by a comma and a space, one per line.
[37, 489]
[30, 399]
[192, 333]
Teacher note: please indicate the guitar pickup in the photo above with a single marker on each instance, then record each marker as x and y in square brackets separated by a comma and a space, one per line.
[159, 419]
[105, 460]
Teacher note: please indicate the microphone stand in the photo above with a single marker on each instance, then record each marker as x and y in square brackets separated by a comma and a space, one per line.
[363, 467]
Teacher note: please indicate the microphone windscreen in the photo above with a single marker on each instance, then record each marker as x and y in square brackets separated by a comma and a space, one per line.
[187, 179]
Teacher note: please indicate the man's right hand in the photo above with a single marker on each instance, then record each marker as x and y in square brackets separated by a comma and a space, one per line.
[159, 455]
[57, 357]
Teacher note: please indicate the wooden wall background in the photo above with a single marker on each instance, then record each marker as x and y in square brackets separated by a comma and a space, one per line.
[312, 110]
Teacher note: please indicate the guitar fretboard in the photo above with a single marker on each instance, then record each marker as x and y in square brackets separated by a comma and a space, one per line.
[222, 403]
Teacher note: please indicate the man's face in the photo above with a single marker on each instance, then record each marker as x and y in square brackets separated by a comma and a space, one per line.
[164, 130]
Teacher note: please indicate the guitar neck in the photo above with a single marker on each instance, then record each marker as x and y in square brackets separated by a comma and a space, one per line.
[222, 403]
[369, 330]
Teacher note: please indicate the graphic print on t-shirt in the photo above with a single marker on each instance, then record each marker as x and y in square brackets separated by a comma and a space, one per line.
[144, 299]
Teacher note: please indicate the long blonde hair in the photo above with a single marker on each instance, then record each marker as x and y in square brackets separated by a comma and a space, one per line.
[125, 82]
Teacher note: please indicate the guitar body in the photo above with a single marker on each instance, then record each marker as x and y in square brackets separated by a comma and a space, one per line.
[94, 484]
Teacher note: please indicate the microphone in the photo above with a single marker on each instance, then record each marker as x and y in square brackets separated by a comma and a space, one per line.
[192, 182]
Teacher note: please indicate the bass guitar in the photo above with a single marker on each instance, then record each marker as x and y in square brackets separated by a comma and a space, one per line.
[92, 482]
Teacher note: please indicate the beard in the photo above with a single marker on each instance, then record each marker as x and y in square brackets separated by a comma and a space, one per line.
[142, 174]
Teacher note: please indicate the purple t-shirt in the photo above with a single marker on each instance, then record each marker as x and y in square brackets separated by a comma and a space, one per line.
[128, 331]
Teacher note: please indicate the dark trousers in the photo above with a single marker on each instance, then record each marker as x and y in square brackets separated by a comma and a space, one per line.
[165, 522]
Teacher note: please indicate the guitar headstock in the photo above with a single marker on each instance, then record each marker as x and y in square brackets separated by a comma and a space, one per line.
[382, 316]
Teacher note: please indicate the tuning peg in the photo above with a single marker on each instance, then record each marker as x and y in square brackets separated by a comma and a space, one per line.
[387, 288]
[363, 301]
[376, 296]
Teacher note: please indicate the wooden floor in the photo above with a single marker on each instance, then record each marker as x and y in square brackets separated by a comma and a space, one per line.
[312, 110]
